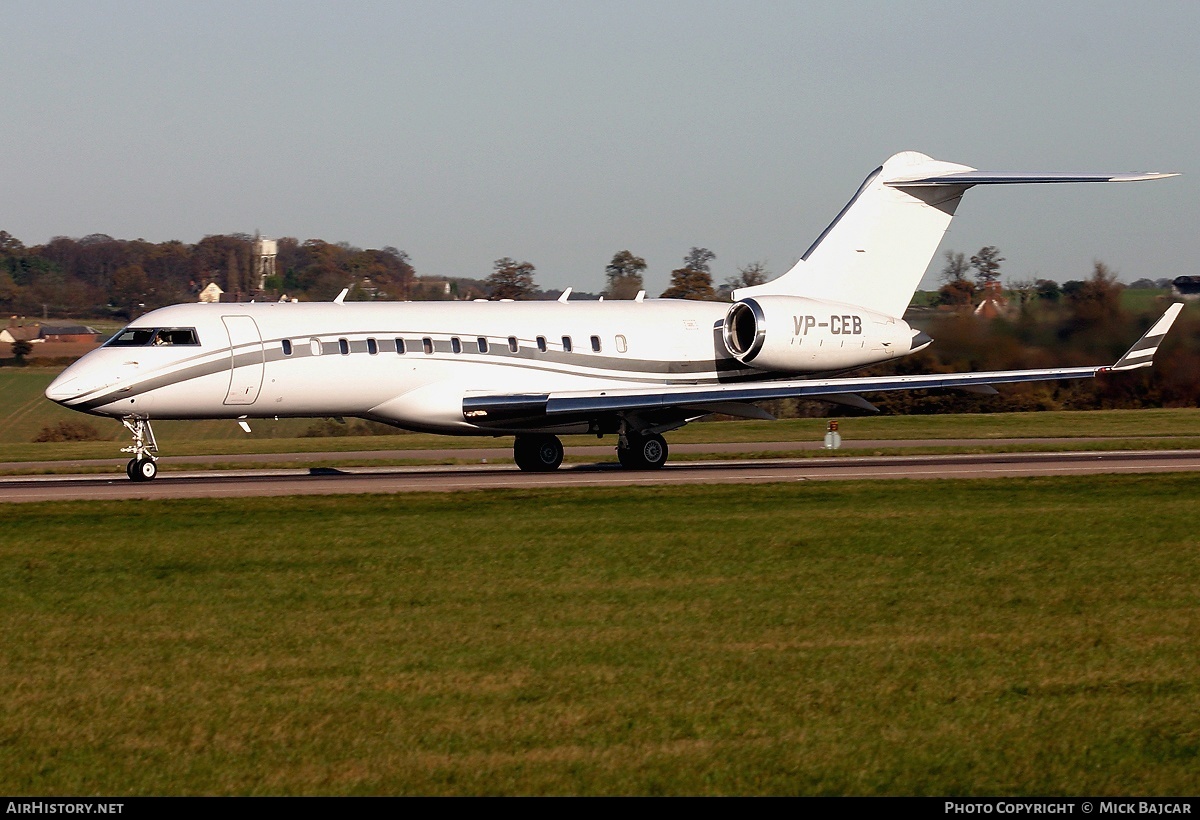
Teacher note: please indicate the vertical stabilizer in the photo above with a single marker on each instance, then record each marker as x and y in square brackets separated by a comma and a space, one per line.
[877, 249]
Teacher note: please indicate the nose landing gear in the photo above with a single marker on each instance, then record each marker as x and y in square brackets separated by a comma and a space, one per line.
[143, 466]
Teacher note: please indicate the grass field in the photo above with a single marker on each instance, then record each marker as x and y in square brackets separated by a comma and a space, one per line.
[987, 637]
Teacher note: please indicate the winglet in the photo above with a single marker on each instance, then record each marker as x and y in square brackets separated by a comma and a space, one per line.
[1143, 350]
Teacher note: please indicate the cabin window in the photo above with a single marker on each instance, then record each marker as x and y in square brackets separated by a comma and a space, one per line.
[456, 344]
[622, 345]
[400, 346]
[344, 347]
[372, 346]
[287, 347]
[483, 344]
[314, 346]
[595, 344]
[541, 340]
[427, 346]
[566, 344]
[513, 345]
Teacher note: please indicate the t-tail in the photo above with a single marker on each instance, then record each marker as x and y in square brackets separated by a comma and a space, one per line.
[876, 250]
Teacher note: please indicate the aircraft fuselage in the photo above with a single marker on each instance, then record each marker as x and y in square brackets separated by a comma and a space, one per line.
[412, 363]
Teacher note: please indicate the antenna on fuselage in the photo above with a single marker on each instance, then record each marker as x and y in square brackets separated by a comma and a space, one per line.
[566, 294]
[341, 297]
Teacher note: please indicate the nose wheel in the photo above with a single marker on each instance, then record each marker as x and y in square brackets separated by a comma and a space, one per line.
[143, 466]
[141, 469]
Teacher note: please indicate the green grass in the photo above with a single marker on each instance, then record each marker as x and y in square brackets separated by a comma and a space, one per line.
[1145, 301]
[1032, 636]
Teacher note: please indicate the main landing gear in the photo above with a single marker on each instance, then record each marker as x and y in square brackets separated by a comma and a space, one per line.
[143, 466]
[642, 451]
[540, 453]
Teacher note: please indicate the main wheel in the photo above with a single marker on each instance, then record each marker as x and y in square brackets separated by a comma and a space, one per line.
[645, 452]
[538, 453]
[143, 469]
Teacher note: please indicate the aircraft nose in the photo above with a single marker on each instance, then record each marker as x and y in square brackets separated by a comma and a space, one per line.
[64, 388]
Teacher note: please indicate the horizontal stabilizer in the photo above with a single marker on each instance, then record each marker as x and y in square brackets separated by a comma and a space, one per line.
[1018, 178]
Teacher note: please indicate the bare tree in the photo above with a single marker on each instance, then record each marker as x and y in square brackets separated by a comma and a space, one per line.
[987, 265]
[955, 269]
[755, 273]
[1026, 290]
[698, 258]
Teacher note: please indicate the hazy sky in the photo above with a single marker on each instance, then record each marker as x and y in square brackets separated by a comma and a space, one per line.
[562, 132]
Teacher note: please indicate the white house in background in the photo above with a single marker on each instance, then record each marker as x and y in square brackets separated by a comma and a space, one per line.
[211, 294]
[21, 333]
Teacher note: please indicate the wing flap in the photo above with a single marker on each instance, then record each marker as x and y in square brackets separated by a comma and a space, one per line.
[612, 401]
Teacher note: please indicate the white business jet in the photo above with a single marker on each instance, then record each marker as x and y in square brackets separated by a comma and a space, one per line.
[537, 370]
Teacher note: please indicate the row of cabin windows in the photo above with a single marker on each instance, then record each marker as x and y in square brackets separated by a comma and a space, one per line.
[456, 346]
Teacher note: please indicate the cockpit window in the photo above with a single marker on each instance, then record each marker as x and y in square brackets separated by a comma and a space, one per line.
[143, 336]
[132, 337]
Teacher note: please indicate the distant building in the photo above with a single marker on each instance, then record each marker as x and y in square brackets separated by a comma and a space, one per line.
[211, 294]
[265, 251]
[68, 333]
[1186, 287]
[21, 333]
[993, 304]
[58, 334]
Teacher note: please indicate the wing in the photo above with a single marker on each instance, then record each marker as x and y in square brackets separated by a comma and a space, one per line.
[564, 407]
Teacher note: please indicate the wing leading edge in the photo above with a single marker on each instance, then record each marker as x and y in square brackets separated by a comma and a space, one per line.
[565, 406]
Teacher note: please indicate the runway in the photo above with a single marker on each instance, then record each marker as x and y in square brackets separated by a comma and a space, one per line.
[599, 452]
[245, 483]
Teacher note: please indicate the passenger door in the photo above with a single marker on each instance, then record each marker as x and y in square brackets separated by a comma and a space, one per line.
[246, 360]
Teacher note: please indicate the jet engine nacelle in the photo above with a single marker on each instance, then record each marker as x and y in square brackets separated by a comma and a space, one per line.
[798, 335]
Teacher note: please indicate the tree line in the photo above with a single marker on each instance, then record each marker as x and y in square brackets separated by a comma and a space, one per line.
[98, 275]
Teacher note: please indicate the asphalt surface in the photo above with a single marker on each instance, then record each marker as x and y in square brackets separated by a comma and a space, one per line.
[481, 454]
[237, 484]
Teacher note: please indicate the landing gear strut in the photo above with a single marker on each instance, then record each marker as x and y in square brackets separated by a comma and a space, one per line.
[538, 453]
[642, 451]
[143, 466]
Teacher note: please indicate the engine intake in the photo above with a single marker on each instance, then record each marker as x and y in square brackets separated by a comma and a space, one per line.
[799, 335]
[745, 330]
